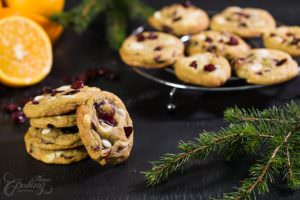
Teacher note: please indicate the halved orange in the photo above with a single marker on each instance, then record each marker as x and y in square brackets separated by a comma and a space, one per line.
[25, 52]
[53, 29]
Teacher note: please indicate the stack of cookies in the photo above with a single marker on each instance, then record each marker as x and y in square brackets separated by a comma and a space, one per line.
[210, 57]
[73, 122]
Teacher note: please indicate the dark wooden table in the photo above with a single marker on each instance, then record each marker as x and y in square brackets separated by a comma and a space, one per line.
[156, 131]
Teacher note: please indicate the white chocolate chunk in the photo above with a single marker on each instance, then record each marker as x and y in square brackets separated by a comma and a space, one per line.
[46, 131]
[50, 157]
[256, 67]
[106, 143]
[38, 98]
[136, 46]
[64, 88]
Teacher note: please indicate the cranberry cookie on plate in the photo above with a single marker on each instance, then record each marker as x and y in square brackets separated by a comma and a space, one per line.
[151, 50]
[266, 67]
[205, 69]
[180, 19]
[285, 38]
[105, 128]
[221, 43]
[245, 22]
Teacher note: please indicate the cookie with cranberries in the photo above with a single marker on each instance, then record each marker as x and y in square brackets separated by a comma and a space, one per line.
[204, 69]
[223, 44]
[59, 101]
[284, 38]
[266, 67]
[151, 50]
[180, 19]
[245, 22]
[105, 128]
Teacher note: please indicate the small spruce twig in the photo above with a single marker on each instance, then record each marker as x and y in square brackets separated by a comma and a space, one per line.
[277, 128]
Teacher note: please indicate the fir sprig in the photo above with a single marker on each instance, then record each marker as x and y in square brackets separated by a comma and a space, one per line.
[275, 130]
[116, 13]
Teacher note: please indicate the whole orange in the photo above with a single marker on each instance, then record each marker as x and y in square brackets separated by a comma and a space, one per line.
[42, 7]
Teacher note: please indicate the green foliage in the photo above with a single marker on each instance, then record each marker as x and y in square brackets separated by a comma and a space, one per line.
[116, 13]
[275, 130]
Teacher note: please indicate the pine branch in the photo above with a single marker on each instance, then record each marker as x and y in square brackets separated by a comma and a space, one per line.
[138, 10]
[277, 128]
[82, 15]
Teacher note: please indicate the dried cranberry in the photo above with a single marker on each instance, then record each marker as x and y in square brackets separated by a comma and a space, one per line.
[241, 14]
[212, 48]
[105, 112]
[167, 29]
[242, 24]
[295, 41]
[158, 59]
[77, 85]
[290, 34]
[152, 36]
[272, 34]
[81, 77]
[194, 64]
[10, 107]
[233, 41]
[186, 4]
[208, 39]
[128, 130]
[18, 117]
[54, 92]
[34, 102]
[280, 62]
[259, 73]
[158, 48]
[209, 67]
[176, 19]
[140, 37]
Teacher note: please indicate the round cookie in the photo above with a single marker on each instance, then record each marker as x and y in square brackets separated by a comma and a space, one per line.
[220, 43]
[106, 129]
[63, 137]
[204, 69]
[38, 141]
[151, 50]
[60, 101]
[60, 121]
[266, 67]
[285, 38]
[180, 19]
[63, 157]
[247, 22]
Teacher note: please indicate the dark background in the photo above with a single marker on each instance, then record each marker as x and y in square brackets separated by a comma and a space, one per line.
[156, 131]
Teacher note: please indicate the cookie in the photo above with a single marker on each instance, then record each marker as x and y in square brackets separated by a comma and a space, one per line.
[204, 69]
[151, 50]
[60, 101]
[266, 67]
[245, 22]
[284, 38]
[56, 156]
[106, 129]
[180, 19]
[221, 43]
[35, 137]
[60, 121]
[67, 137]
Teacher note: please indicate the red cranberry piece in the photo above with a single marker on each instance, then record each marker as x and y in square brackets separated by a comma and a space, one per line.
[290, 34]
[10, 107]
[158, 59]
[233, 41]
[208, 39]
[18, 117]
[176, 19]
[242, 24]
[241, 14]
[140, 37]
[128, 130]
[295, 41]
[194, 64]
[259, 73]
[272, 35]
[167, 29]
[81, 77]
[186, 4]
[280, 62]
[152, 36]
[209, 67]
[212, 48]
[77, 85]
[158, 48]
[105, 112]
[35, 102]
